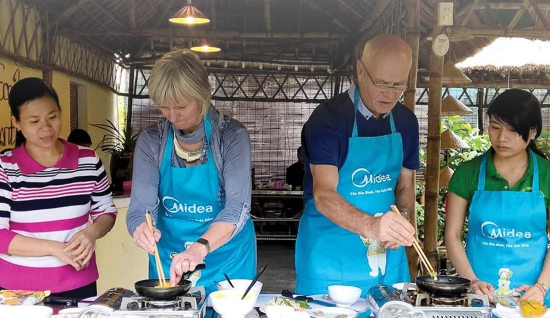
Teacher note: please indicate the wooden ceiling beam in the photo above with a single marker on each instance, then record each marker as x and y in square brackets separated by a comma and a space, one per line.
[518, 15]
[510, 5]
[346, 6]
[374, 15]
[165, 32]
[107, 13]
[337, 22]
[267, 16]
[541, 15]
[152, 5]
[492, 13]
[132, 13]
[69, 11]
[469, 13]
[102, 24]
[167, 7]
[460, 32]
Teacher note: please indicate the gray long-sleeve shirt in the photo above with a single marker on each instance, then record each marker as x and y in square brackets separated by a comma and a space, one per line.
[230, 145]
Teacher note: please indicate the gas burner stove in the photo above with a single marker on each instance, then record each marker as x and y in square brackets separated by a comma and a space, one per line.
[120, 302]
[462, 300]
[385, 302]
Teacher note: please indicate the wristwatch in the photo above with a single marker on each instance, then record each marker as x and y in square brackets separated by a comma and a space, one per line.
[205, 243]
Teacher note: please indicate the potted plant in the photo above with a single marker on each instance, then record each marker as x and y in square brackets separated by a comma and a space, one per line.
[120, 146]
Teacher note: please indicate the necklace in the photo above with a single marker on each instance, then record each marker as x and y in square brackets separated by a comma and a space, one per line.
[188, 156]
[519, 175]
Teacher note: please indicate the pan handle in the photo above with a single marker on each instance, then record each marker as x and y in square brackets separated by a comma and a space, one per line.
[189, 273]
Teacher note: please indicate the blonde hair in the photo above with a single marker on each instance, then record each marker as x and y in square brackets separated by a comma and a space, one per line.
[179, 76]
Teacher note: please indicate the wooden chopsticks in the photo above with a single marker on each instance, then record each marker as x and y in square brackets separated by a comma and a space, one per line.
[160, 271]
[418, 248]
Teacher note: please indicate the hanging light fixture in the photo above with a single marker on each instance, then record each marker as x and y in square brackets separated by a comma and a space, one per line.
[189, 15]
[452, 106]
[205, 47]
[445, 176]
[452, 75]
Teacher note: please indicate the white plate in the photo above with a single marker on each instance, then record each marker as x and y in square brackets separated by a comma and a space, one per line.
[70, 311]
[331, 312]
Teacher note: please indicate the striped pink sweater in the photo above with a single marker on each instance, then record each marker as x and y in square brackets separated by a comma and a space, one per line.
[49, 203]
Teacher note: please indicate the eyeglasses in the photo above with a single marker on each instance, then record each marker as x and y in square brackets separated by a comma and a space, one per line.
[398, 89]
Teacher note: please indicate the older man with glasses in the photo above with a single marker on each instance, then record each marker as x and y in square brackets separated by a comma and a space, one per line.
[360, 150]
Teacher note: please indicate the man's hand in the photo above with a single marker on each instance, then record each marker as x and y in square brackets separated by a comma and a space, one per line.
[186, 261]
[391, 230]
[145, 239]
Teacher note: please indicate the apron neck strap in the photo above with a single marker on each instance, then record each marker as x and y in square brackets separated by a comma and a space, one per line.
[483, 171]
[356, 98]
[169, 140]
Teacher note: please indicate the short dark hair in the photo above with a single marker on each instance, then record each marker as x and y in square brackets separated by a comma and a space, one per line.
[29, 89]
[79, 137]
[24, 91]
[519, 109]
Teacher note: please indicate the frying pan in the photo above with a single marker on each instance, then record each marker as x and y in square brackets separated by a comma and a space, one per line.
[146, 288]
[444, 285]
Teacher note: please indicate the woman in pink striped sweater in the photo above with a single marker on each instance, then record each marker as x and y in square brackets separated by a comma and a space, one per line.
[55, 201]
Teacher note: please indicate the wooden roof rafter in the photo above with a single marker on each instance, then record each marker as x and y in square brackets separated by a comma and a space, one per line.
[518, 15]
[540, 15]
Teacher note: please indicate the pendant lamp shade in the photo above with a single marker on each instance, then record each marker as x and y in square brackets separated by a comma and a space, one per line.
[189, 15]
[444, 176]
[449, 140]
[452, 106]
[205, 47]
[452, 75]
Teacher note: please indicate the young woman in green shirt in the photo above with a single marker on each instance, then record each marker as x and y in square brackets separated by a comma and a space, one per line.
[503, 193]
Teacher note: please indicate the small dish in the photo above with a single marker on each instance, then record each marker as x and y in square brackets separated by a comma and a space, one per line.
[332, 312]
[70, 312]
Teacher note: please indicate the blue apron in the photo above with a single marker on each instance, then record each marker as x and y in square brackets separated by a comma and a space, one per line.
[188, 204]
[327, 254]
[506, 240]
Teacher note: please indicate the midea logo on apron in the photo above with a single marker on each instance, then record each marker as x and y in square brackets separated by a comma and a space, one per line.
[493, 231]
[362, 177]
[174, 206]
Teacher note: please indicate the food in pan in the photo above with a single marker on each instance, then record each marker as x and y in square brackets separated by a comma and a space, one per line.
[532, 308]
[166, 285]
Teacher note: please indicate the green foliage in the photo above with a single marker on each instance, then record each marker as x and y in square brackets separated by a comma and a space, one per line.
[543, 142]
[115, 141]
[478, 144]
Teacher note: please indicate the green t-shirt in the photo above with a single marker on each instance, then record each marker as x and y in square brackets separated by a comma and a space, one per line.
[464, 181]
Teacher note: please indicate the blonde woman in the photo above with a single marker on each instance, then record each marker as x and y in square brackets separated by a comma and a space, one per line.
[192, 171]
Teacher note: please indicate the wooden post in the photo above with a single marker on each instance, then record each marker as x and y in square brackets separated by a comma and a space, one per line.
[47, 76]
[433, 150]
[480, 106]
[131, 94]
[413, 39]
[337, 83]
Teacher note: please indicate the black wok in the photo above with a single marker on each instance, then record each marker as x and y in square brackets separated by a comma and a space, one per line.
[146, 288]
[444, 285]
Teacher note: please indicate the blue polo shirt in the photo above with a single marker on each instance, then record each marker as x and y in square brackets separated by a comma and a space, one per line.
[326, 134]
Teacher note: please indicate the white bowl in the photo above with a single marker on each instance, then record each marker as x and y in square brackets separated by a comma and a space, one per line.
[241, 284]
[70, 312]
[228, 303]
[344, 296]
[25, 311]
[278, 311]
